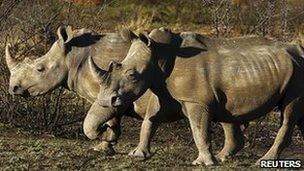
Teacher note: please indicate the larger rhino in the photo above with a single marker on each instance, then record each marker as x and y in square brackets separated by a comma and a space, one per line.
[209, 79]
[66, 64]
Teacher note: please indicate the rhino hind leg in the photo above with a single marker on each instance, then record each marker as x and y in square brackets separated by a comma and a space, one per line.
[234, 141]
[291, 115]
[199, 119]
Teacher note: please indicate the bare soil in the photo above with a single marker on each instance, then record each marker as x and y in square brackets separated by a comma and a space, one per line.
[173, 149]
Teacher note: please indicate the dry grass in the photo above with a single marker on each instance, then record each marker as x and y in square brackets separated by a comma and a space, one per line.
[172, 147]
[31, 25]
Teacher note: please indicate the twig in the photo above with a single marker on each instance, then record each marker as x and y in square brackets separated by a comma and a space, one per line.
[8, 10]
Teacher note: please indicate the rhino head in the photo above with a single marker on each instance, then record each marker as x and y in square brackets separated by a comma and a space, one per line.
[125, 82]
[32, 77]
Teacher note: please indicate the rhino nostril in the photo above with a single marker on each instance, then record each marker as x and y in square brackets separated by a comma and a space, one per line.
[15, 88]
[116, 101]
[113, 99]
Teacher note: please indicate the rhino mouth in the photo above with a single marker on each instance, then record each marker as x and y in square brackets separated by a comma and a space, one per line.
[103, 127]
[115, 102]
[32, 91]
[28, 95]
[25, 94]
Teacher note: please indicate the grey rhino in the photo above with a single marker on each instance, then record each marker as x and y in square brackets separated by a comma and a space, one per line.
[66, 64]
[225, 80]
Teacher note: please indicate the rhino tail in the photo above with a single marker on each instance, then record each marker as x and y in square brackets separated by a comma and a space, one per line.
[300, 125]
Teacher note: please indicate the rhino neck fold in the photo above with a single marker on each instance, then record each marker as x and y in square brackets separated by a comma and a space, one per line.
[164, 59]
[76, 59]
[165, 53]
[159, 72]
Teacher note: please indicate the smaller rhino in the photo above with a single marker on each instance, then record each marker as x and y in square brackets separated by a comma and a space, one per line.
[225, 80]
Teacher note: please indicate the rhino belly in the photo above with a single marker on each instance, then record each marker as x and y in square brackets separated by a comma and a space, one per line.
[248, 105]
[252, 83]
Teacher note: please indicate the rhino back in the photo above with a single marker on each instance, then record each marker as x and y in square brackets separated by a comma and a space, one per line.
[243, 78]
[242, 42]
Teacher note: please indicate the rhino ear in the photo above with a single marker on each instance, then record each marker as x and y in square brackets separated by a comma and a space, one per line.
[97, 72]
[65, 34]
[161, 35]
[114, 65]
[144, 38]
[10, 61]
[127, 34]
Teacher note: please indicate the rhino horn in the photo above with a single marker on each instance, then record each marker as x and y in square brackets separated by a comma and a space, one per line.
[97, 72]
[10, 61]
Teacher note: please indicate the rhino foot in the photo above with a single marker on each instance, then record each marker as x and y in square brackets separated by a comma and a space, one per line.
[138, 152]
[105, 147]
[200, 161]
[267, 156]
[257, 163]
[223, 157]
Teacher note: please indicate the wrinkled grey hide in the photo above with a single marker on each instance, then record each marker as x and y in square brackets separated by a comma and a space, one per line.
[226, 80]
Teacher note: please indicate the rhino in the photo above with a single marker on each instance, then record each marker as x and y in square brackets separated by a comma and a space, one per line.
[67, 64]
[224, 80]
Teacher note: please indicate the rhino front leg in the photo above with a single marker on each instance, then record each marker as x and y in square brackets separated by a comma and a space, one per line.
[292, 113]
[148, 129]
[95, 118]
[234, 141]
[109, 137]
[199, 119]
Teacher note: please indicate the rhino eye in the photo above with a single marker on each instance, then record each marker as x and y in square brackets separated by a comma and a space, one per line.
[40, 68]
[132, 75]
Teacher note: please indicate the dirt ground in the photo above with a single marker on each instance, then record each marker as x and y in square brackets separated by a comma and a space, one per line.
[173, 149]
